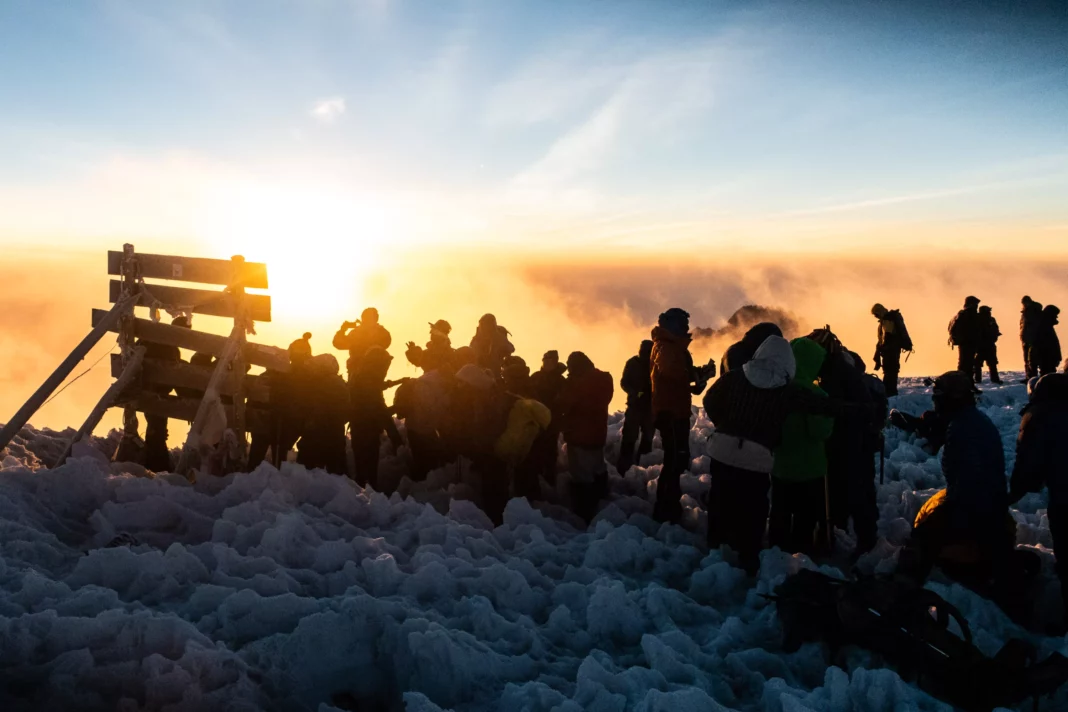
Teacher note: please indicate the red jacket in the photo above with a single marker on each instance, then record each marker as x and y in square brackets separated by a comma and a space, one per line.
[583, 407]
[672, 373]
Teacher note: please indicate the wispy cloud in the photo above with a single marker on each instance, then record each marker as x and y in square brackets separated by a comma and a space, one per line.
[329, 110]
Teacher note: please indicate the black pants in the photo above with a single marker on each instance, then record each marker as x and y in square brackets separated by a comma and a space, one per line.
[851, 493]
[496, 477]
[797, 510]
[366, 444]
[988, 356]
[638, 420]
[966, 358]
[675, 439]
[891, 363]
[157, 455]
[1030, 362]
[545, 452]
[738, 512]
[427, 453]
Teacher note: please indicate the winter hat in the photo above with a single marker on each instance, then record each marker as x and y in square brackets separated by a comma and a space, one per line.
[955, 384]
[675, 320]
[773, 364]
[488, 320]
[475, 377]
[552, 355]
[646, 349]
[578, 362]
[1026, 300]
[300, 350]
[971, 302]
[879, 310]
[985, 310]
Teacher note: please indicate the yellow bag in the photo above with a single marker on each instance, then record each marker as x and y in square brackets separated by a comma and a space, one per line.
[526, 419]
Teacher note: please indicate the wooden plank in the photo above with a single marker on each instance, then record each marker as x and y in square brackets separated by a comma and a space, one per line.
[210, 400]
[186, 375]
[270, 357]
[199, 301]
[104, 322]
[193, 269]
[185, 409]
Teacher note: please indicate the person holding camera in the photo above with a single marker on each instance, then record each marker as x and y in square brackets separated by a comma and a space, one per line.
[357, 337]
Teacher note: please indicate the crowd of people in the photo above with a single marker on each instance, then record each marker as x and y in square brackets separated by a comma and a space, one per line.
[797, 427]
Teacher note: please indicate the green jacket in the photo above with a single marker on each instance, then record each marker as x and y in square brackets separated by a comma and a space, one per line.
[801, 456]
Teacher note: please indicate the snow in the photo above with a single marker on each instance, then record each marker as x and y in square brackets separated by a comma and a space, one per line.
[298, 590]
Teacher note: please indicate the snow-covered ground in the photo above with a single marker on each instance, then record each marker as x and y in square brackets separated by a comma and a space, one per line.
[297, 590]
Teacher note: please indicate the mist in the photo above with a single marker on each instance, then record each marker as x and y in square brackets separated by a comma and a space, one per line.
[603, 309]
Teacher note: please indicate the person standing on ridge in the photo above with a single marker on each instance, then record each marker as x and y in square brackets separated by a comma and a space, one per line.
[988, 346]
[583, 406]
[893, 339]
[546, 385]
[638, 419]
[964, 335]
[674, 381]
[438, 352]
[1047, 347]
[491, 345]
[1030, 322]
[357, 337]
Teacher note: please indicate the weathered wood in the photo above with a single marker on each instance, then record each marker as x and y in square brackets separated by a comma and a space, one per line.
[271, 357]
[198, 301]
[186, 375]
[193, 269]
[108, 321]
[211, 395]
[124, 380]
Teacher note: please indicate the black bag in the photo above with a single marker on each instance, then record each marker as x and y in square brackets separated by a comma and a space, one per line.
[902, 331]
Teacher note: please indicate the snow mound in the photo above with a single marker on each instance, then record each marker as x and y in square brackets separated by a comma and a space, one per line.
[298, 590]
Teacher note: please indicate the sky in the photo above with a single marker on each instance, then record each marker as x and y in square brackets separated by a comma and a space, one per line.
[548, 160]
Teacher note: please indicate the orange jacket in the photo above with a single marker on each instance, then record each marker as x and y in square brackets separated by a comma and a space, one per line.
[672, 373]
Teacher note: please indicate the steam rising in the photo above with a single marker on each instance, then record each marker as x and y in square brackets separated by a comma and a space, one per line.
[747, 317]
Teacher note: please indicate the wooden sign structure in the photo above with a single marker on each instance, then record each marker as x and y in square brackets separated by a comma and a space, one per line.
[140, 380]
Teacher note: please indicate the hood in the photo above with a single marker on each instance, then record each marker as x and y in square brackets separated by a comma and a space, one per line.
[1051, 387]
[809, 357]
[756, 336]
[773, 365]
[662, 334]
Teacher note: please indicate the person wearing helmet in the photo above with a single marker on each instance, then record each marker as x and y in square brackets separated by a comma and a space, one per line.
[358, 336]
[893, 338]
[964, 335]
[963, 527]
[988, 346]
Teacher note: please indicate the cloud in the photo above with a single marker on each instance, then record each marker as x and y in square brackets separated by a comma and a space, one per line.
[327, 111]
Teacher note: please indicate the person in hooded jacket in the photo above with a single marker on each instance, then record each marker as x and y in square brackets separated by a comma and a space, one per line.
[638, 418]
[322, 443]
[491, 345]
[438, 352]
[739, 354]
[988, 346]
[964, 334]
[749, 408]
[1047, 348]
[1042, 461]
[893, 338]
[370, 415]
[675, 381]
[798, 476]
[1030, 320]
[357, 337]
[972, 511]
[546, 385]
[583, 407]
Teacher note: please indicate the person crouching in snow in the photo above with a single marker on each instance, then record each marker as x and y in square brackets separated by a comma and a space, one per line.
[322, 444]
[675, 381]
[370, 416]
[583, 407]
[749, 408]
[799, 473]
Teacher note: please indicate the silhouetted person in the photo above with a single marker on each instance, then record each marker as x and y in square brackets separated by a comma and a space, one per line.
[1047, 347]
[675, 381]
[515, 377]
[357, 337]
[798, 477]
[286, 415]
[423, 404]
[438, 352]
[638, 420]
[370, 416]
[964, 335]
[1030, 325]
[157, 454]
[490, 344]
[741, 352]
[583, 406]
[972, 512]
[546, 385]
[988, 346]
[1042, 461]
[893, 339]
[322, 442]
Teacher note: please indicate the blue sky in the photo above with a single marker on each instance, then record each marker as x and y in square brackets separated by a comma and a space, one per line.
[589, 124]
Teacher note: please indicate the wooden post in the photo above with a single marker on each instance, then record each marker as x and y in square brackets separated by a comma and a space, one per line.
[130, 269]
[222, 367]
[129, 374]
[52, 382]
[242, 321]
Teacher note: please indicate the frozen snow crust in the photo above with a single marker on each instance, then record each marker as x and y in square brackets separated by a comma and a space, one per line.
[298, 590]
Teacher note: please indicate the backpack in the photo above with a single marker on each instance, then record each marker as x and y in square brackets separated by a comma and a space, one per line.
[901, 330]
[958, 329]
